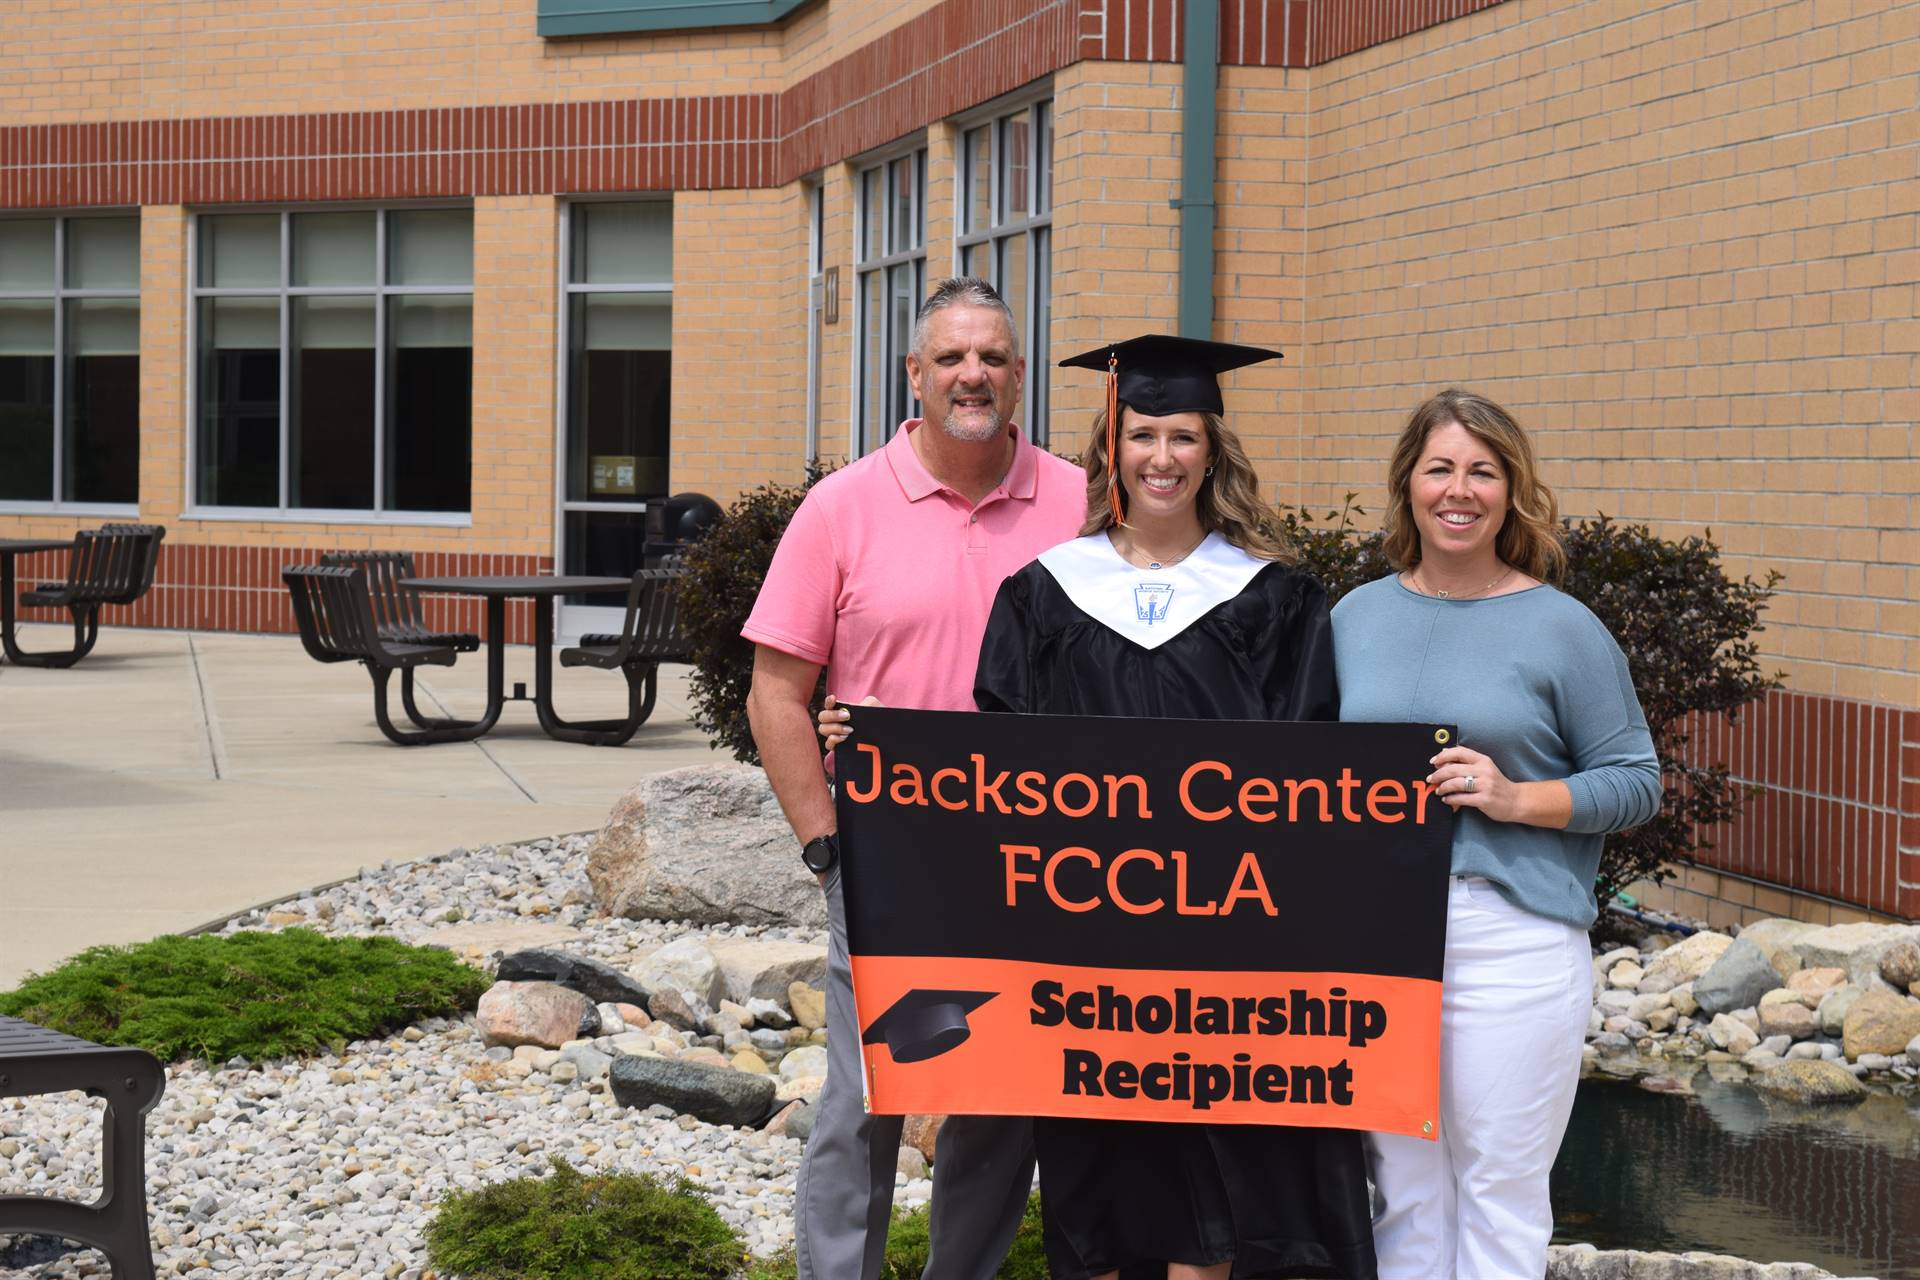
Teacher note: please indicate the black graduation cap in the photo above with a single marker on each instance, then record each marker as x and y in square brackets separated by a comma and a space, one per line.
[925, 1023]
[1160, 373]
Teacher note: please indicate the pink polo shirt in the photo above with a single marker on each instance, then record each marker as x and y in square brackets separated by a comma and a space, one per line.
[886, 576]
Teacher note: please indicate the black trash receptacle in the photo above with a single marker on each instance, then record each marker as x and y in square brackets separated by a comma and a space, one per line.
[674, 524]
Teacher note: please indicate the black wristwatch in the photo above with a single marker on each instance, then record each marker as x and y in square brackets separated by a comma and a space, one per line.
[820, 853]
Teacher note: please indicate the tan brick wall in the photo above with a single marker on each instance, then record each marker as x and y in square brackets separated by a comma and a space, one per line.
[1724, 901]
[834, 366]
[739, 338]
[516, 255]
[163, 59]
[1682, 246]
[164, 417]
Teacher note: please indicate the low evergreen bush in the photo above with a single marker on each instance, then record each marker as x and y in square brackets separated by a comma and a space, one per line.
[576, 1226]
[249, 995]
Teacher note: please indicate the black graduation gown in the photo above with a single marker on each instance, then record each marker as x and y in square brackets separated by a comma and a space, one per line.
[1074, 633]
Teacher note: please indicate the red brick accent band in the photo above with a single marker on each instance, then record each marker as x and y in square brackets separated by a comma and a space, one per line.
[1836, 805]
[885, 89]
[215, 588]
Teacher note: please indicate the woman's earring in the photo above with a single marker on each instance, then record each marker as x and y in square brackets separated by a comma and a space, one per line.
[1209, 470]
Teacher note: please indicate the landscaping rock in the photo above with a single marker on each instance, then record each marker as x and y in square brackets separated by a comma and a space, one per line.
[1731, 1034]
[1788, 1018]
[1880, 1022]
[779, 1126]
[1857, 948]
[1832, 1012]
[679, 1009]
[1815, 983]
[1775, 938]
[706, 844]
[539, 1013]
[911, 1163]
[687, 965]
[1683, 1001]
[800, 1123]
[717, 1095]
[770, 1013]
[1686, 961]
[808, 1004]
[809, 1060]
[1900, 965]
[763, 968]
[1913, 1051]
[1737, 979]
[477, 941]
[1625, 976]
[922, 1133]
[1811, 1081]
[598, 982]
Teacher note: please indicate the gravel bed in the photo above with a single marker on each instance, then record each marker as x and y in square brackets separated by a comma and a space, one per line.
[330, 1167]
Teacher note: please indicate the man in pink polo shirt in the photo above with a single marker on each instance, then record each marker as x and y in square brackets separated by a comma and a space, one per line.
[886, 576]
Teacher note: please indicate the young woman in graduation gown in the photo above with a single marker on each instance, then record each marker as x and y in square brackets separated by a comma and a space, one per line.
[1177, 601]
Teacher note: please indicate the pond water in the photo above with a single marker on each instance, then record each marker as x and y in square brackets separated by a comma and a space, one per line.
[1732, 1171]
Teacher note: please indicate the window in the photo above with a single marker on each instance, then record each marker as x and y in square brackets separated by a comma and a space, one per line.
[890, 279]
[1006, 231]
[70, 361]
[619, 391]
[335, 368]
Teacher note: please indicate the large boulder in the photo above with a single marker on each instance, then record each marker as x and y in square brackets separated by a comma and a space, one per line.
[1687, 960]
[717, 1095]
[763, 968]
[1880, 1022]
[1737, 979]
[540, 1013]
[1857, 948]
[706, 844]
[1584, 1262]
[1832, 1009]
[1810, 1080]
[600, 983]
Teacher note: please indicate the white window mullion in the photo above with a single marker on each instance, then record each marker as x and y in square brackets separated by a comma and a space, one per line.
[286, 362]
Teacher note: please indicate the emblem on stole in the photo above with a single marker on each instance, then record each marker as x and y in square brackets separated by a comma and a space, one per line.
[1150, 601]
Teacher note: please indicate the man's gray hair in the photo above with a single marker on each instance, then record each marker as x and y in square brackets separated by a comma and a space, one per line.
[962, 291]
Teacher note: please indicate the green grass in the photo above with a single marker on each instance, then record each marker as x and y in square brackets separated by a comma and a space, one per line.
[249, 995]
[575, 1226]
[906, 1254]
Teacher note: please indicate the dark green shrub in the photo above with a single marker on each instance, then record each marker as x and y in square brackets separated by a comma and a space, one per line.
[1686, 629]
[251, 995]
[907, 1247]
[575, 1226]
[724, 571]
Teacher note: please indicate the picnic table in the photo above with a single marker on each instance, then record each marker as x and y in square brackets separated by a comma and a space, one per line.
[9, 600]
[543, 590]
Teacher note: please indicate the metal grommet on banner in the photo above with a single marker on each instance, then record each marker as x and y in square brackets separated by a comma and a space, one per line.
[1426, 1126]
[1442, 737]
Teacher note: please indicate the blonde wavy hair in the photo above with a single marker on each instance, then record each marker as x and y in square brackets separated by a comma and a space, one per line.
[1529, 537]
[1228, 502]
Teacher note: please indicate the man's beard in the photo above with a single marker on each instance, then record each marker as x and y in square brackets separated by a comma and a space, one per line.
[993, 424]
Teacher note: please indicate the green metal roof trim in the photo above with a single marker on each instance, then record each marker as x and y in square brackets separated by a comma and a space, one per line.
[607, 17]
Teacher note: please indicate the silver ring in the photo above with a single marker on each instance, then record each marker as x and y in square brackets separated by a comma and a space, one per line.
[1469, 782]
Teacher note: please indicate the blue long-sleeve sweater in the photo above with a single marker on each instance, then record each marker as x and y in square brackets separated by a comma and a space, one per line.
[1534, 681]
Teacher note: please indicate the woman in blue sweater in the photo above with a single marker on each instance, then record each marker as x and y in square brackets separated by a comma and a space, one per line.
[1553, 753]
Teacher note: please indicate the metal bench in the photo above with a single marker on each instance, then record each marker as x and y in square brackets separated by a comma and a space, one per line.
[334, 611]
[34, 1060]
[399, 617]
[113, 564]
[649, 636]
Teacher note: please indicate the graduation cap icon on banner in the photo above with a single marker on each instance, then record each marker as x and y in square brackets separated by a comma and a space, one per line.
[925, 1023]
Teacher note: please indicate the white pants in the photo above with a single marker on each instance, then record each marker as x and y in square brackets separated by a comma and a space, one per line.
[1474, 1205]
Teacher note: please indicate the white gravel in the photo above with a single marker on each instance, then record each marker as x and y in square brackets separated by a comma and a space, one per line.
[301, 1170]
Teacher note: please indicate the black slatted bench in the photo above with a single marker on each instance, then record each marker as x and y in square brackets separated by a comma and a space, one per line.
[649, 636]
[399, 617]
[334, 611]
[113, 564]
[33, 1061]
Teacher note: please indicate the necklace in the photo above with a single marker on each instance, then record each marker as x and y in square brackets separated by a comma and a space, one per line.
[1413, 576]
[1155, 562]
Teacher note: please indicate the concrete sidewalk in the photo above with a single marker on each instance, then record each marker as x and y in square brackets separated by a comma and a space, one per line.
[175, 777]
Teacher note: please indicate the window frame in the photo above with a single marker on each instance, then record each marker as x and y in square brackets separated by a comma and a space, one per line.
[914, 257]
[380, 292]
[60, 295]
[1036, 226]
